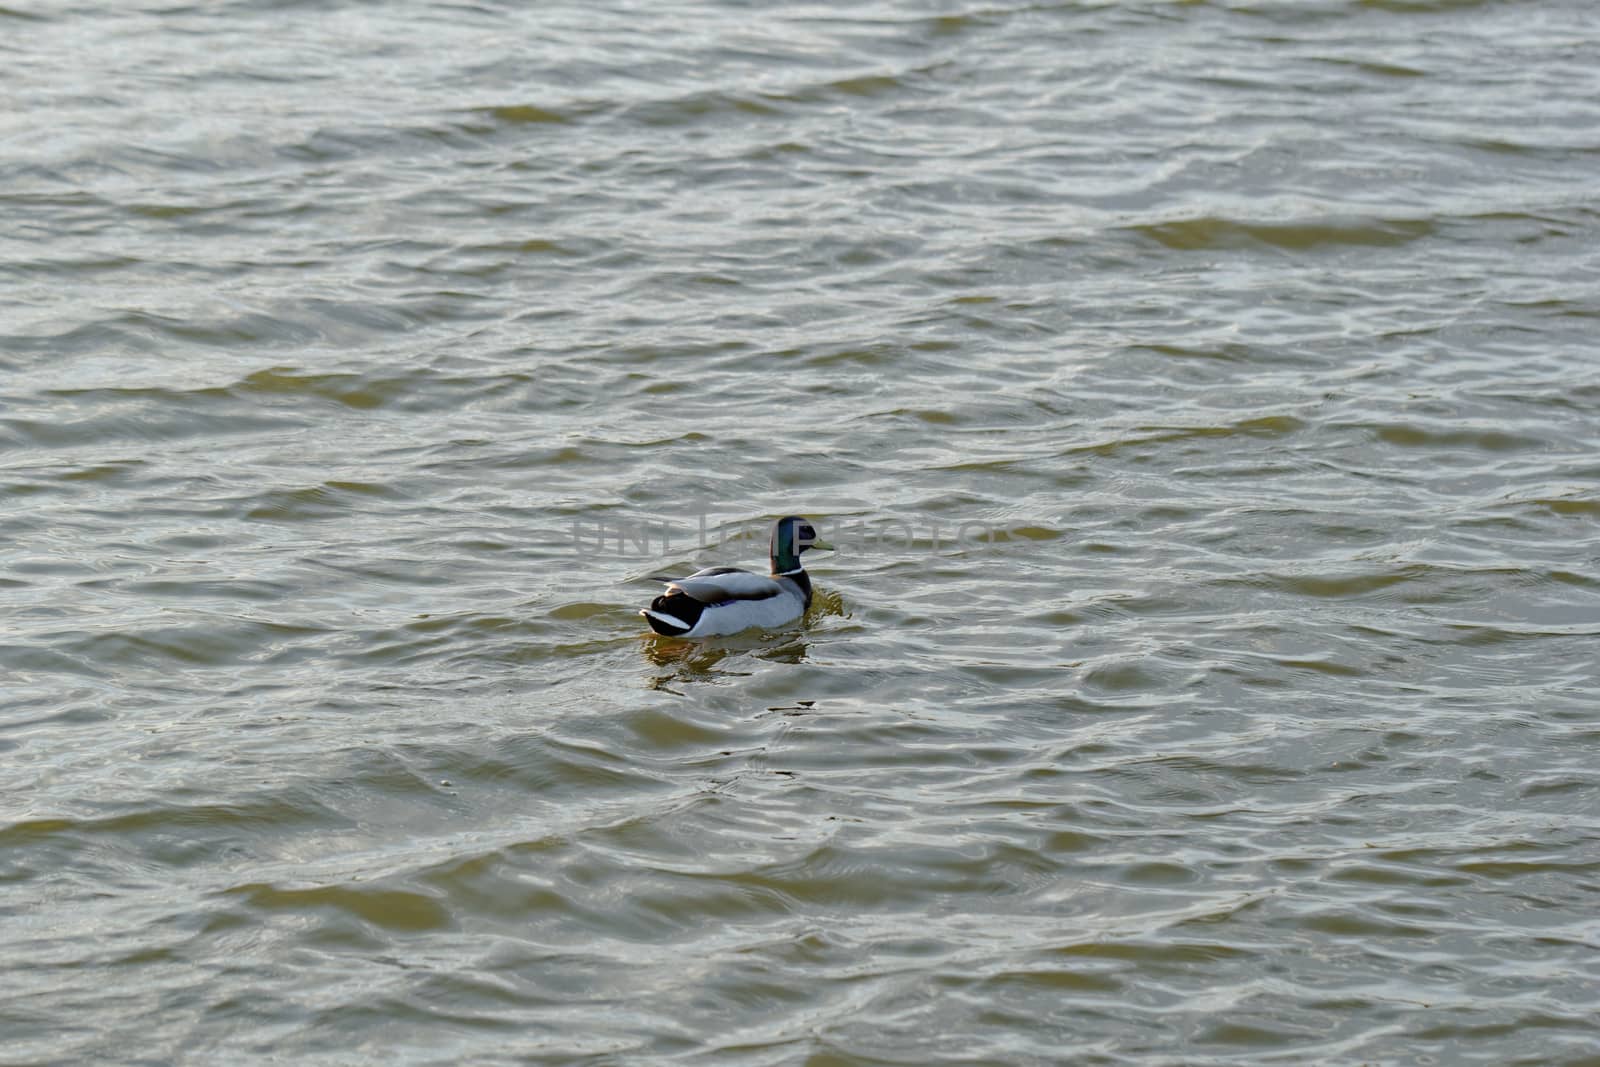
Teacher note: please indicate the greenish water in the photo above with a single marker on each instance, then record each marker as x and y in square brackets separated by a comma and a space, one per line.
[1203, 396]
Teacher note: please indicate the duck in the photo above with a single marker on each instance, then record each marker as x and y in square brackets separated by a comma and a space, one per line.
[725, 600]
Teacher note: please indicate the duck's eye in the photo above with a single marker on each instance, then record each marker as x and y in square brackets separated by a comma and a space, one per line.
[807, 533]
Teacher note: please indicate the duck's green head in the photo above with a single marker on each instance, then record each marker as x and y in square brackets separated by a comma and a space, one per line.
[792, 535]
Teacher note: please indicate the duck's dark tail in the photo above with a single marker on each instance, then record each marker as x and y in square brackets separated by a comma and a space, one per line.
[673, 614]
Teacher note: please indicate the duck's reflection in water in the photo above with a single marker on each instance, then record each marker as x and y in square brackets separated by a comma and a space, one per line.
[681, 662]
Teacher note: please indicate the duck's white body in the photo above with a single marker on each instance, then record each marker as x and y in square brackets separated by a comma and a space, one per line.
[726, 600]
[729, 600]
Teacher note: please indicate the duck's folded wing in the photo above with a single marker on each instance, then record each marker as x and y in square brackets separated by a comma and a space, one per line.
[718, 585]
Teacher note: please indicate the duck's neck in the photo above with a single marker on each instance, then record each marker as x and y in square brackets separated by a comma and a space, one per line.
[786, 561]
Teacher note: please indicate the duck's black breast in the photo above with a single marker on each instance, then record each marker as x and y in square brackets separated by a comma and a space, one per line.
[803, 580]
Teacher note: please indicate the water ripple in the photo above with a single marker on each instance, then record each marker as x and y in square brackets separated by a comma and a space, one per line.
[1200, 396]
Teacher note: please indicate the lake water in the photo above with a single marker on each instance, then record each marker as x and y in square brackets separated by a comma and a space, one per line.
[1204, 398]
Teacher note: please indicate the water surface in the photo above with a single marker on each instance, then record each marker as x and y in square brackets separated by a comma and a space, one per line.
[1203, 397]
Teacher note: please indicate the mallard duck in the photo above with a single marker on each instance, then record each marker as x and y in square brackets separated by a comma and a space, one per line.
[725, 600]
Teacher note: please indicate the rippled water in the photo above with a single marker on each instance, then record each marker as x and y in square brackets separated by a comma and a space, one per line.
[357, 360]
